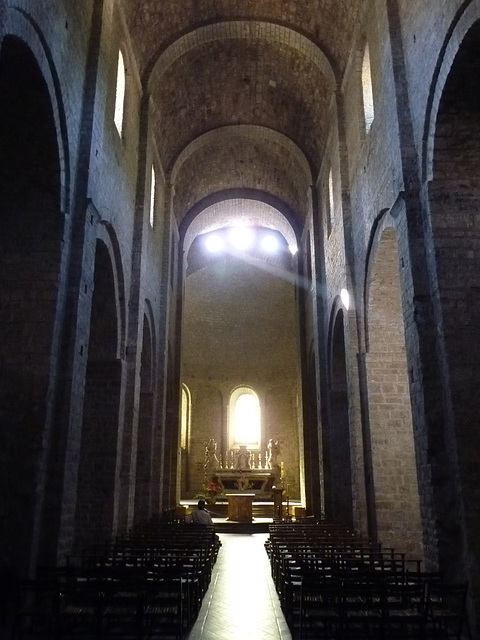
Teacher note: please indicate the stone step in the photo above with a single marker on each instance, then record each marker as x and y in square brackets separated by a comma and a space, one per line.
[224, 526]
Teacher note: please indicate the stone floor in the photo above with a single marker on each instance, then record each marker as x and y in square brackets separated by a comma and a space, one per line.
[241, 602]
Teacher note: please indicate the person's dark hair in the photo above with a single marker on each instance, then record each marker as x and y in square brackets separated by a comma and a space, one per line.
[201, 504]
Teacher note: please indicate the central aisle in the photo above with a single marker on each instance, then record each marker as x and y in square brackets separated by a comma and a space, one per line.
[241, 602]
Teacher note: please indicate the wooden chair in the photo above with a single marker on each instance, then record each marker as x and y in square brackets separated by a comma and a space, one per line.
[320, 608]
[81, 608]
[363, 608]
[446, 610]
[163, 608]
[39, 601]
[405, 610]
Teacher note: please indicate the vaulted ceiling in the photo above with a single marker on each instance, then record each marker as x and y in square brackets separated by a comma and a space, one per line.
[241, 93]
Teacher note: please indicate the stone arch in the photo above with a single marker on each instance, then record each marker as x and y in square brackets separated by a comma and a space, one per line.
[145, 447]
[107, 235]
[454, 203]
[336, 432]
[96, 508]
[239, 29]
[207, 421]
[32, 228]
[465, 17]
[256, 212]
[21, 25]
[249, 132]
[395, 482]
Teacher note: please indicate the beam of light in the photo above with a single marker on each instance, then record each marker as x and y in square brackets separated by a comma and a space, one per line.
[273, 270]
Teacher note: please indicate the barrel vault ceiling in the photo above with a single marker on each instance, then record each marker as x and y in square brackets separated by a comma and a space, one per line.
[241, 94]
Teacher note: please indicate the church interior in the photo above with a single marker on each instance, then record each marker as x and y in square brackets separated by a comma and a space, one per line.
[253, 267]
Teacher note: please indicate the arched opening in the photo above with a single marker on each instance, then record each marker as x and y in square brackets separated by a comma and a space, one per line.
[336, 435]
[95, 512]
[455, 207]
[143, 480]
[185, 430]
[367, 90]
[244, 419]
[31, 231]
[240, 333]
[393, 453]
[120, 94]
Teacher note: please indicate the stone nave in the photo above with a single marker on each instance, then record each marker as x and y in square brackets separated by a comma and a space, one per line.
[240, 220]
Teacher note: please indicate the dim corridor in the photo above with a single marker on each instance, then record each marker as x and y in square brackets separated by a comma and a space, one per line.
[241, 602]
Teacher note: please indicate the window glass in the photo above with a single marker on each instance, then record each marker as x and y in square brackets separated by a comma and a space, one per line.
[120, 94]
[368, 109]
[185, 417]
[245, 418]
[152, 197]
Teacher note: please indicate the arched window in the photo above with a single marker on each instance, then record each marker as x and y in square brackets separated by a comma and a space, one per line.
[368, 110]
[120, 94]
[152, 196]
[330, 203]
[185, 416]
[244, 419]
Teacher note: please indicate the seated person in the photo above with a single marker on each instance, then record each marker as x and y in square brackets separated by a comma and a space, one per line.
[201, 516]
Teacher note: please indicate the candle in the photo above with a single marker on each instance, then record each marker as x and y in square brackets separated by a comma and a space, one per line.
[281, 469]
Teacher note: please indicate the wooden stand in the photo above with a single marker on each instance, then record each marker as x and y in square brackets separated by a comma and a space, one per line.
[277, 503]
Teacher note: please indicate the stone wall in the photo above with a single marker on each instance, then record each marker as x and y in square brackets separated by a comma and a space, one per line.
[240, 329]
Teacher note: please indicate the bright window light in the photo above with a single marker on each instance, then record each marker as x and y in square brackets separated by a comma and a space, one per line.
[214, 243]
[185, 416]
[152, 197]
[247, 419]
[368, 109]
[270, 244]
[241, 238]
[120, 94]
[345, 296]
[331, 202]
[244, 418]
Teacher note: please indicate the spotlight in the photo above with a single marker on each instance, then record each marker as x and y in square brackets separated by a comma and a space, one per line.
[270, 244]
[345, 296]
[241, 238]
[214, 243]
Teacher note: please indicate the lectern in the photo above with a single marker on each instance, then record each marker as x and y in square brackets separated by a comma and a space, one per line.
[278, 503]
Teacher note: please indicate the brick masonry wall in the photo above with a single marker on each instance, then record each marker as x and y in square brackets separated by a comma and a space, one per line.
[394, 465]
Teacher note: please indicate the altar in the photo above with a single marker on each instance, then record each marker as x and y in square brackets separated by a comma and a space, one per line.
[243, 471]
[258, 482]
[240, 507]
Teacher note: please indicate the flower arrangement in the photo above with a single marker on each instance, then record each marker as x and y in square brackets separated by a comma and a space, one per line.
[213, 489]
[210, 491]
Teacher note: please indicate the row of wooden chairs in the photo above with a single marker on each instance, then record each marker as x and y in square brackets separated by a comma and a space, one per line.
[356, 607]
[333, 584]
[148, 584]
